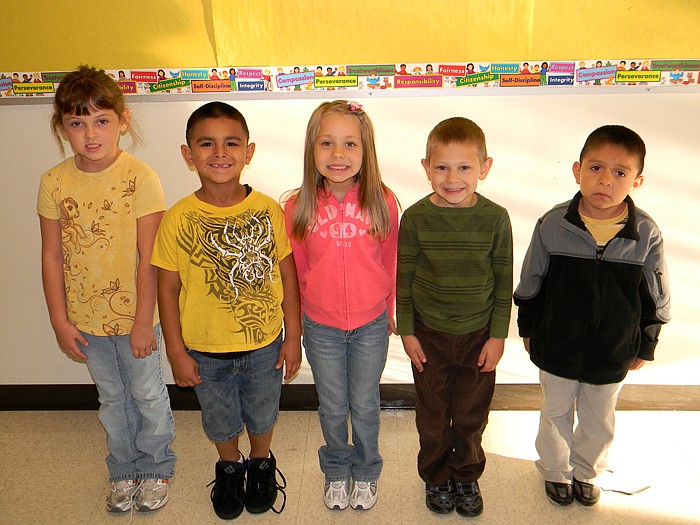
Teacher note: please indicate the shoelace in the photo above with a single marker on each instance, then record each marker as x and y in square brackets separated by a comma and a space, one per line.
[229, 487]
[278, 488]
[337, 489]
[363, 487]
[126, 486]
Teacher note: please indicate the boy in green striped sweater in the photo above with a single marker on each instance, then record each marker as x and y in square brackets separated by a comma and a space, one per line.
[453, 303]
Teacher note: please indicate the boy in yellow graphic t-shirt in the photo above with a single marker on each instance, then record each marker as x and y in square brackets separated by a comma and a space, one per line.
[227, 287]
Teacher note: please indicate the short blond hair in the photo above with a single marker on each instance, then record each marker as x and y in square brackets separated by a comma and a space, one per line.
[457, 130]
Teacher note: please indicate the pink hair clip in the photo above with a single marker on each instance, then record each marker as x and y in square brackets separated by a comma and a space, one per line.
[354, 106]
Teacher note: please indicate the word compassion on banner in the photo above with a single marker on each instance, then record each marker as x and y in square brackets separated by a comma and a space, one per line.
[569, 74]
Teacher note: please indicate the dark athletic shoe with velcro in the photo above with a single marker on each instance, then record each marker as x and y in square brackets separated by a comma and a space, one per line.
[440, 498]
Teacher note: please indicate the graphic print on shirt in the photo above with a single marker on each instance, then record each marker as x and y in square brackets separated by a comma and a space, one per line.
[238, 255]
[80, 242]
[341, 224]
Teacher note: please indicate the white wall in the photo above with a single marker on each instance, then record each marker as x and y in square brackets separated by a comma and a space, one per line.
[533, 138]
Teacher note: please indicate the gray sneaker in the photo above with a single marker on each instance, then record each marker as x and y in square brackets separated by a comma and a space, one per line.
[335, 494]
[364, 495]
[121, 494]
[151, 494]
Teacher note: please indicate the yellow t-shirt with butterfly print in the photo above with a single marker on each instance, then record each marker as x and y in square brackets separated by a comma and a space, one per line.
[98, 214]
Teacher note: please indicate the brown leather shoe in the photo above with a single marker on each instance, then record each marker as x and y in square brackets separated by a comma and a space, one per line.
[586, 493]
[559, 493]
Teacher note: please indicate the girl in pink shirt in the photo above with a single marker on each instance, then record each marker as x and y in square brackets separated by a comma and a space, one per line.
[343, 225]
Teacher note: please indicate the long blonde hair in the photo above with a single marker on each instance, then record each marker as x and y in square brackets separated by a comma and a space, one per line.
[371, 191]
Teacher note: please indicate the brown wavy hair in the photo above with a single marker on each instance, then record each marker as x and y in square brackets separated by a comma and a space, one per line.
[84, 91]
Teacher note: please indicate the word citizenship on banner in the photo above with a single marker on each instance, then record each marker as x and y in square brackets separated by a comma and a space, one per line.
[173, 83]
[476, 78]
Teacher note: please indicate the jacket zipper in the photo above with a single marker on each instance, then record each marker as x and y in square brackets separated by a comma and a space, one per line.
[341, 206]
[658, 274]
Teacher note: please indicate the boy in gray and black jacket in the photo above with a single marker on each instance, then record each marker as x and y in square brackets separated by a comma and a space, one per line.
[592, 297]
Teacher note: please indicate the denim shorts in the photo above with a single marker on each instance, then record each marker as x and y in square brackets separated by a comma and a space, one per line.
[239, 392]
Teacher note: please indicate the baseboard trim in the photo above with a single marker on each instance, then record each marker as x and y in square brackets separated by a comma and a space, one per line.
[303, 397]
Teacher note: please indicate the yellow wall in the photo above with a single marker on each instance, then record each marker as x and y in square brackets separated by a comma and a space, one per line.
[133, 34]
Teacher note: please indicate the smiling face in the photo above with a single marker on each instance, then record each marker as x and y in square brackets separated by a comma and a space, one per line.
[454, 170]
[94, 138]
[606, 175]
[219, 150]
[338, 151]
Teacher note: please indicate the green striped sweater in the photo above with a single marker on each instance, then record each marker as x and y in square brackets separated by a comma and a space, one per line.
[455, 268]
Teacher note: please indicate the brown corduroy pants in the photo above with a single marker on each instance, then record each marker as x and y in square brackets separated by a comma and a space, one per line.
[453, 398]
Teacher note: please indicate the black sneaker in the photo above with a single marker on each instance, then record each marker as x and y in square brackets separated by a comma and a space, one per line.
[559, 493]
[440, 498]
[586, 493]
[468, 500]
[228, 492]
[262, 488]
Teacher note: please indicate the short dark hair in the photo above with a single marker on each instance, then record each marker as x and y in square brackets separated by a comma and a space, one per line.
[615, 135]
[215, 110]
[460, 130]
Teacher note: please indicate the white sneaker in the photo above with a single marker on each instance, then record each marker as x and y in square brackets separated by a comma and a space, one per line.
[335, 494]
[121, 494]
[364, 495]
[151, 494]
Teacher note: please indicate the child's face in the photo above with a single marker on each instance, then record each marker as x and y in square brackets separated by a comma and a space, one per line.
[338, 150]
[454, 170]
[218, 150]
[94, 138]
[606, 176]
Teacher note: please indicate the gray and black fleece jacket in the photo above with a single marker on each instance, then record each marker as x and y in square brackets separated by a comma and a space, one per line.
[590, 311]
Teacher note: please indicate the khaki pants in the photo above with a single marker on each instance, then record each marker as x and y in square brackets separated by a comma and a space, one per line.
[580, 453]
[453, 398]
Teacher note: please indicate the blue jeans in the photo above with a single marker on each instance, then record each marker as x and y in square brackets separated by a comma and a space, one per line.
[239, 391]
[347, 366]
[134, 408]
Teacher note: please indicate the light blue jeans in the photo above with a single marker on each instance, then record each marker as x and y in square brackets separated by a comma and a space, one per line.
[347, 366]
[134, 408]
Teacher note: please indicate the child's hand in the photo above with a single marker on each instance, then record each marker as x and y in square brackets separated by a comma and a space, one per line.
[491, 354]
[143, 340]
[68, 338]
[526, 342]
[290, 356]
[392, 326]
[185, 369]
[637, 363]
[414, 350]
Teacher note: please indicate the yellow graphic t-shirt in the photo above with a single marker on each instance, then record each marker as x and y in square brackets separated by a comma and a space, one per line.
[98, 213]
[228, 262]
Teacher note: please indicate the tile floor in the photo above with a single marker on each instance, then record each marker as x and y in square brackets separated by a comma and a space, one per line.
[52, 472]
